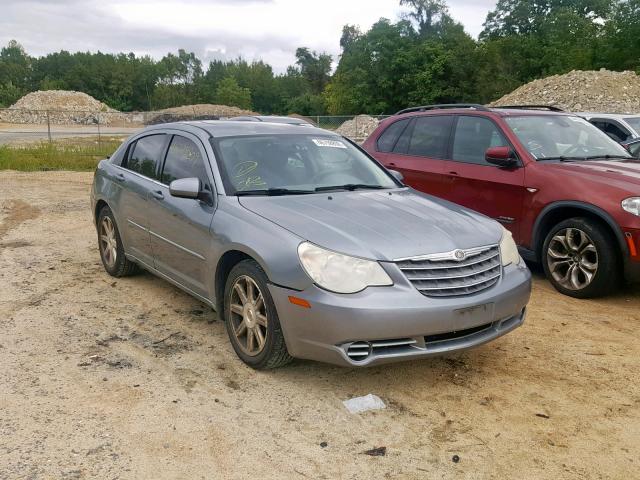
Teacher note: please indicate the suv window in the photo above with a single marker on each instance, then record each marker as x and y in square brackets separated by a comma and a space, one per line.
[430, 136]
[184, 160]
[389, 138]
[146, 154]
[613, 130]
[472, 138]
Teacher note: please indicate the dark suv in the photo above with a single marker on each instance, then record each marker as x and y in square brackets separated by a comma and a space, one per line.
[568, 193]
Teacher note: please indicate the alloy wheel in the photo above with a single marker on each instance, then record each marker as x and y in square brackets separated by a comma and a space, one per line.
[572, 259]
[248, 316]
[108, 242]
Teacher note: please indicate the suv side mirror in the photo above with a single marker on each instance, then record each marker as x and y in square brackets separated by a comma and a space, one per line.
[398, 176]
[185, 188]
[501, 156]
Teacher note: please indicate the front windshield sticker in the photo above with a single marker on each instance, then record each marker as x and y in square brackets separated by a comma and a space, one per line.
[329, 143]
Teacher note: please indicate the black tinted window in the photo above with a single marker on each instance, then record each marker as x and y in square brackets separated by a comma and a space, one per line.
[616, 132]
[184, 160]
[473, 136]
[388, 139]
[146, 155]
[430, 136]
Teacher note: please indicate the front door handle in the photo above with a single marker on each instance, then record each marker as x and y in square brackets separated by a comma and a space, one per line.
[120, 177]
[157, 194]
[454, 173]
[391, 164]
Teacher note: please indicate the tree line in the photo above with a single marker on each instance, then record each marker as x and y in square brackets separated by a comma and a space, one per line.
[425, 57]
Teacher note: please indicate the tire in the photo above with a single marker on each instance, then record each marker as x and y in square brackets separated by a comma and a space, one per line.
[253, 318]
[110, 245]
[580, 258]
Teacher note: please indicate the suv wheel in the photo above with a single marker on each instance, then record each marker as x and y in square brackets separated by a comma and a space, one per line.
[580, 258]
[251, 318]
[111, 249]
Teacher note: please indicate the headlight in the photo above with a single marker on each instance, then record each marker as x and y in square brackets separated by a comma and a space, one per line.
[340, 273]
[632, 205]
[508, 249]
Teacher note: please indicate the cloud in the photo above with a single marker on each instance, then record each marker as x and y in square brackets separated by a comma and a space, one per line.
[255, 29]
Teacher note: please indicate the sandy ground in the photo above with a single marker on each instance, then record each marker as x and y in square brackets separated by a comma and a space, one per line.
[104, 378]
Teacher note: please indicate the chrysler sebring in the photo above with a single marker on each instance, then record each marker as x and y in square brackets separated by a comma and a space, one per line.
[305, 245]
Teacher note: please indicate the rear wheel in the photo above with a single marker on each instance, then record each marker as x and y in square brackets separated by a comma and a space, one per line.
[580, 258]
[111, 249]
[251, 318]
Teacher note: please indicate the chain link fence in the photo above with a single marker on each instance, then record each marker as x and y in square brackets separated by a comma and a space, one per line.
[48, 138]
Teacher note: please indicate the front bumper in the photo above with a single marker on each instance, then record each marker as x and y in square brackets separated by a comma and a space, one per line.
[398, 322]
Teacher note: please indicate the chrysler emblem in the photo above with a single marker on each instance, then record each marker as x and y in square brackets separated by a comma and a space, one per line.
[459, 255]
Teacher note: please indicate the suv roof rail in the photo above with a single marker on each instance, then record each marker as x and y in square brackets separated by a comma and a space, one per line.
[444, 106]
[551, 108]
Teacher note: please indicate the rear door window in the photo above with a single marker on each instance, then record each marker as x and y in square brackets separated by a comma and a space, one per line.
[184, 160]
[430, 136]
[146, 155]
[389, 138]
[474, 135]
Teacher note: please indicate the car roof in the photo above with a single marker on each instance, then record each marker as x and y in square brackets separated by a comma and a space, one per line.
[271, 118]
[230, 128]
[613, 116]
[502, 112]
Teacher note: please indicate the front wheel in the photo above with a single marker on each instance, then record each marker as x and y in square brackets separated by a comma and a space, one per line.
[580, 258]
[251, 319]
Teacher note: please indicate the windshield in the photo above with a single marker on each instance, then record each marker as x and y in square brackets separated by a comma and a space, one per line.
[296, 164]
[563, 137]
[634, 122]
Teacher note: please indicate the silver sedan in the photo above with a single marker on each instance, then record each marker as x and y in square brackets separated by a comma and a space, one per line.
[305, 245]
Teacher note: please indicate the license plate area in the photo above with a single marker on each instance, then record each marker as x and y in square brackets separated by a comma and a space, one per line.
[475, 315]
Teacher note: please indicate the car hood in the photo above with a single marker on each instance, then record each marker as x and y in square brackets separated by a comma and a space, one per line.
[621, 174]
[378, 225]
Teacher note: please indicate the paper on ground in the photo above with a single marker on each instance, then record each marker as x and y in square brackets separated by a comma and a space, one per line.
[363, 404]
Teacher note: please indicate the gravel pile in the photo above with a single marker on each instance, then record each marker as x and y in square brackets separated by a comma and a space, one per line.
[581, 91]
[63, 107]
[204, 111]
[359, 128]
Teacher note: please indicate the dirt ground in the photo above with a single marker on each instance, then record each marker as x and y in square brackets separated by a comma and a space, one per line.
[131, 378]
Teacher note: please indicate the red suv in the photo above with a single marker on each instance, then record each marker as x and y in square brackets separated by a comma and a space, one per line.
[568, 193]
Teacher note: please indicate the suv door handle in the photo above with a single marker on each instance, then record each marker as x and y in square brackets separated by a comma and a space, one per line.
[120, 177]
[157, 194]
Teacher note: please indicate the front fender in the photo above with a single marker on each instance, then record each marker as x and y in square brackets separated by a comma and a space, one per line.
[273, 247]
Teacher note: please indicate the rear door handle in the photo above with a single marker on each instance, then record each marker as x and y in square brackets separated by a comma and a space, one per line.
[391, 164]
[454, 173]
[120, 177]
[157, 194]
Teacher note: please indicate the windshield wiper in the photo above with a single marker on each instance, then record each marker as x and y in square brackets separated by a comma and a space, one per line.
[562, 158]
[607, 157]
[272, 192]
[351, 187]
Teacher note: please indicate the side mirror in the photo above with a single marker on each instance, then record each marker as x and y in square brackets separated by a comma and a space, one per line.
[501, 156]
[185, 188]
[398, 176]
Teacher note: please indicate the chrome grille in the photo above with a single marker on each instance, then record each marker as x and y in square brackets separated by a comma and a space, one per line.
[457, 273]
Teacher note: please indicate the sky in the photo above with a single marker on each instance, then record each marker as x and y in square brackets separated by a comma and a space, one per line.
[270, 30]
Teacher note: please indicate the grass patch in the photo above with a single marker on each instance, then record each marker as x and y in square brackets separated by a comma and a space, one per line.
[75, 154]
